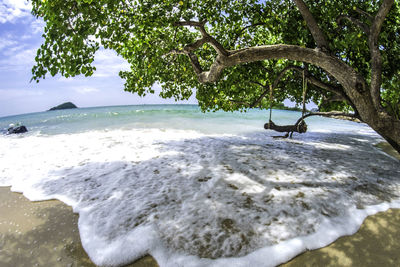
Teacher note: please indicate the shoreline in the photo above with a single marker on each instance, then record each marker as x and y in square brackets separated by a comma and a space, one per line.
[386, 148]
[374, 244]
[42, 233]
[45, 233]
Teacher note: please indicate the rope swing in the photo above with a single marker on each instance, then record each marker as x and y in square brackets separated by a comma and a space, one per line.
[270, 103]
[299, 127]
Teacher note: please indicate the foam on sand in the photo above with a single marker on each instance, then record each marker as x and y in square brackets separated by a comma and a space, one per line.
[191, 199]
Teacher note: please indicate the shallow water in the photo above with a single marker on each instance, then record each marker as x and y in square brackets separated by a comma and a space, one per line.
[196, 189]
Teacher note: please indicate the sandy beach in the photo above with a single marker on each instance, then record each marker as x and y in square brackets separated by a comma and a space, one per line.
[43, 233]
[46, 234]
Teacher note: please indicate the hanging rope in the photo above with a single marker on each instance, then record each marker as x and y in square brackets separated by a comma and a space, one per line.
[302, 123]
[300, 126]
[270, 102]
[304, 94]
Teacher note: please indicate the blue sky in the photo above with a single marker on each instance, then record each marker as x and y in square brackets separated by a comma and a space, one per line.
[20, 36]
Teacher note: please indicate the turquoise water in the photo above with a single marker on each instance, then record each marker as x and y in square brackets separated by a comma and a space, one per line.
[181, 117]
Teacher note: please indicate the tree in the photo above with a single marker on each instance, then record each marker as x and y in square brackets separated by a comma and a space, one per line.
[231, 51]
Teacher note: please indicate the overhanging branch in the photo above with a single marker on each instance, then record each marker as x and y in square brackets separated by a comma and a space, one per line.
[195, 63]
[312, 25]
[189, 48]
[364, 27]
[376, 59]
[366, 14]
[274, 84]
[207, 38]
[311, 79]
[258, 100]
[351, 81]
[329, 114]
[333, 98]
[245, 28]
[190, 23]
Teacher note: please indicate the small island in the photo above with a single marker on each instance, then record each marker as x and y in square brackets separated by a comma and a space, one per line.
[67, 105]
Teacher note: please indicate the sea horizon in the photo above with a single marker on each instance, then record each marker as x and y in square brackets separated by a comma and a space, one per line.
[100, 106]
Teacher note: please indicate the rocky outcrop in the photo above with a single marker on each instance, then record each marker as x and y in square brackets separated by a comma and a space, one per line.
[17, 130]
[67, 105]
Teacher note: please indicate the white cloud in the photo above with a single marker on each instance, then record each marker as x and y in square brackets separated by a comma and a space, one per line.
[85, 90]
[10, 10]
[108, 64]
[37, 26]
[26, 56]
[14, 50]
[5, 42]
[18, 58]
[6, 94]
[67, 80]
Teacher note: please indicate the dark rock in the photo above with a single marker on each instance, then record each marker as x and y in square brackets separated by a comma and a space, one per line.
[67, 105]
[17, 130]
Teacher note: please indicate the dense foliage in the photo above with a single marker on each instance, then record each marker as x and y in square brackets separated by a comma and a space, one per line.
[144, 32]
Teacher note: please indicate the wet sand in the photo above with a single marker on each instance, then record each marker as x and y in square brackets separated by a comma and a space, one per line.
[388, 149]
[375, 244]
[46, 234]
[42, 234]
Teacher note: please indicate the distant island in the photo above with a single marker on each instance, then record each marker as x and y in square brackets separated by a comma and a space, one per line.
[66, 105]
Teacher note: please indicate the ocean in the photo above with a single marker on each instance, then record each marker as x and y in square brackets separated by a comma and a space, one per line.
[200, 189]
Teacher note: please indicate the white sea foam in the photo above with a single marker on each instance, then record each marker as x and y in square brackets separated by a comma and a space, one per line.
[191, 199]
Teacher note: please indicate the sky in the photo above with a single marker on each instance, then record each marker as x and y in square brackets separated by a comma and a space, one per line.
[20, 37]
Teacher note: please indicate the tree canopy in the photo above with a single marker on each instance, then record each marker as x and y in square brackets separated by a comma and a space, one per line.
[232, 51]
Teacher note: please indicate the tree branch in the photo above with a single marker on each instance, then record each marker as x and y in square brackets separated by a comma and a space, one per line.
[364, 27]
[207, 38]
[283, 72]
[190, 23]
[362, 12]
[328, 114]
[328, 87]
[330, 64]
[312, 25]
[195, 63]
[260, 84]
[339, 93]
[245, 28]
[189, 48]
[334, 98]
[274, 84]
[258, 100]
[336, 90]
[196, 45]
[376, 59]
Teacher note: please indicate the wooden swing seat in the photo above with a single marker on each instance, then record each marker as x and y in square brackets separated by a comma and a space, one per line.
[299, 127]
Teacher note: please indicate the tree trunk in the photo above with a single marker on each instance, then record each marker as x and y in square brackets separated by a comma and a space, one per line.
[388, 127]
